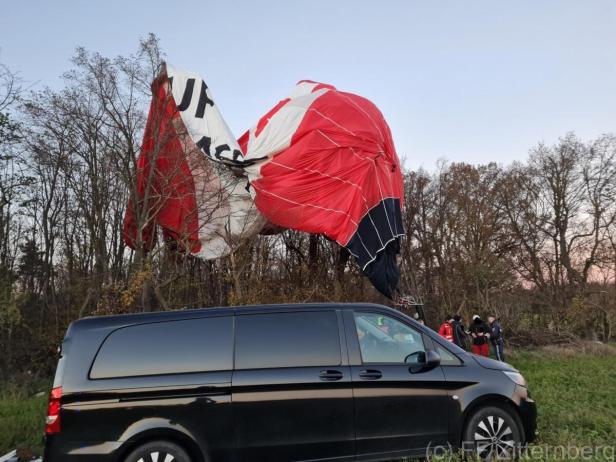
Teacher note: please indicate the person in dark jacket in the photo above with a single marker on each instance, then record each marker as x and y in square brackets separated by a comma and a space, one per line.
[496, 337]
[459, 333]
[480, 334]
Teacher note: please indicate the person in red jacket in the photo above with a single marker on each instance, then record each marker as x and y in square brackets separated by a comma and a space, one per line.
[446, 329]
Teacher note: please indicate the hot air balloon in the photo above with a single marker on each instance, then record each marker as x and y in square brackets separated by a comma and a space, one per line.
[320, 161]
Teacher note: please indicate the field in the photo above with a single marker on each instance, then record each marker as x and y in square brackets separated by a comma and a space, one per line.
[575, 392]
[576, 399]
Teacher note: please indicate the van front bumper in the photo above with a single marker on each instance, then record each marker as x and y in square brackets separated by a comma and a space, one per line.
[528, 414]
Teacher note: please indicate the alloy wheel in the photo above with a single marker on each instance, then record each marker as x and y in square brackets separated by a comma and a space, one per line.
[494, 439]
[158, 457]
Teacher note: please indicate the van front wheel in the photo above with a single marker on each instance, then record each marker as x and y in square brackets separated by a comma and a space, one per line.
[158, 451]
[492, 434]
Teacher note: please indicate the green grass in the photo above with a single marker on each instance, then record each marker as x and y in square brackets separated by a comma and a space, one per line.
[575, 394]
[22, 417]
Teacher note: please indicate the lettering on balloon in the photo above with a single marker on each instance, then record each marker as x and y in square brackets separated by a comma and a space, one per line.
[220, 149]
[204, 99]
[204, 144]
[187, 96]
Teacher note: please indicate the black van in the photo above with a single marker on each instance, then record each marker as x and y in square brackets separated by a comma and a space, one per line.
[276, 383]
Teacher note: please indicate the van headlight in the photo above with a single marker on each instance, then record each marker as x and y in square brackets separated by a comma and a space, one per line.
[516, 377]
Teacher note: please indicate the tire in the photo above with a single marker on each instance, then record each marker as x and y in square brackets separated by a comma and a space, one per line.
[158, 451]
[492, 433]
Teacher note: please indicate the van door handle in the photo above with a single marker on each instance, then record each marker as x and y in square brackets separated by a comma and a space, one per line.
[370, 374]
[330, 376]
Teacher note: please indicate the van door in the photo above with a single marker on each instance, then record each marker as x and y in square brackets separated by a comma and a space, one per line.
[397, 412]
[291, 387]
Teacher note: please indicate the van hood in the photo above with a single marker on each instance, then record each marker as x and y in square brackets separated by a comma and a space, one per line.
[488, 363]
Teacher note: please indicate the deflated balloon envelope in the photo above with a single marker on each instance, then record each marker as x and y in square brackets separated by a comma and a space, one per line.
[320, 161]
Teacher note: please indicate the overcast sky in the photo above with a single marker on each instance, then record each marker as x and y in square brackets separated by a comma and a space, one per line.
[472, 81]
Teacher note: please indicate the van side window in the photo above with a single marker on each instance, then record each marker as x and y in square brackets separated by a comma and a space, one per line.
[383, 339]
[287, 340]
[172, 347]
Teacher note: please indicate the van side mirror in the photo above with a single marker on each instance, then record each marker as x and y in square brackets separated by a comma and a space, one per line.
[423, 361]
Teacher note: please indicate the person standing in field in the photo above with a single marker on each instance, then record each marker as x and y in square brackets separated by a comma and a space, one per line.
[480, 335]
[446, 329]
[496, 337]
[459, 333]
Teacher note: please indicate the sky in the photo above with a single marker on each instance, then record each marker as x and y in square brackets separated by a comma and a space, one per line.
[460, 80]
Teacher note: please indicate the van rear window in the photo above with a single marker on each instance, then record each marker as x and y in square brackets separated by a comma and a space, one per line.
[172, 347]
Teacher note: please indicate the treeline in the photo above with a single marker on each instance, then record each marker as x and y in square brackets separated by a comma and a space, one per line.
[534, 241]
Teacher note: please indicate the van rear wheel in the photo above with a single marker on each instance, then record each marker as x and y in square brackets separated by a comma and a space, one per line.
[158, 451]
[493, 434]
